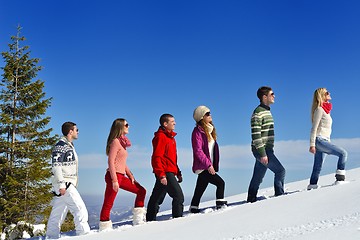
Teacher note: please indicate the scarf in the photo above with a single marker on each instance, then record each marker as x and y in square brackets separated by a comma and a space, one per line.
[210, 129]
[327, 106]
[124, 141]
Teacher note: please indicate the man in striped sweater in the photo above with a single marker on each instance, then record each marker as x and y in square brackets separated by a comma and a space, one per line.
[262, 145]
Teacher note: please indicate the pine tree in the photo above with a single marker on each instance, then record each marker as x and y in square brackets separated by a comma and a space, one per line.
[25, 140]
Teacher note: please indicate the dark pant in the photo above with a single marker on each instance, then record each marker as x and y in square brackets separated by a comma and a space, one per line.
[259, 172]
[203, 180]
[158, 194]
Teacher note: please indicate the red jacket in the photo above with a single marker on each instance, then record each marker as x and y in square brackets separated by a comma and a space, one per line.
[164, 157]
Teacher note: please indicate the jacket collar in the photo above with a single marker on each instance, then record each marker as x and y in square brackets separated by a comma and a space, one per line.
[64, 139]
[265, 106]
[170, 134]
[200, 128]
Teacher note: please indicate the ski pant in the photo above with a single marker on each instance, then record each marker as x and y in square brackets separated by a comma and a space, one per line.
[259, 172]
[158, 194]
[124, 183]
[203, 180]
[72, 201]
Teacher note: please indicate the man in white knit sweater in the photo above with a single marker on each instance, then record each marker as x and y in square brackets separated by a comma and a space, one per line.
[64, 181]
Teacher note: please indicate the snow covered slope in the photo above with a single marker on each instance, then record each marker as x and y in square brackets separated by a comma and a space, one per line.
[330, 212]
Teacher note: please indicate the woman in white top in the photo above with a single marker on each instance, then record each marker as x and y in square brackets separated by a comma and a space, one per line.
[320, 143]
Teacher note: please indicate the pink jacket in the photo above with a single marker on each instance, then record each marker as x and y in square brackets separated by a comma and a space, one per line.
[201, 154]
[117, 160]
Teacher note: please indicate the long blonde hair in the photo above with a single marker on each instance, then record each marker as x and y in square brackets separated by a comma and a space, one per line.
[206, 130]
[318, 100]
[117, 129]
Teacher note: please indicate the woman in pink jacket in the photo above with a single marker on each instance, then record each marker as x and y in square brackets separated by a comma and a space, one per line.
[118, 175]
[205, 158]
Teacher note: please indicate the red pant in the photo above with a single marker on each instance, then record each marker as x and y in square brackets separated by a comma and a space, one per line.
[126, 184]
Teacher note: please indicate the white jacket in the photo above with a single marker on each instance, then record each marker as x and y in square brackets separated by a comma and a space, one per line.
[64, 165]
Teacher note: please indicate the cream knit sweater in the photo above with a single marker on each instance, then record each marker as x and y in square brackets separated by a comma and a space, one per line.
[321, 126]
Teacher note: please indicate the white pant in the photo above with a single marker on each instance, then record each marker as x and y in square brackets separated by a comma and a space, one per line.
[72, 201]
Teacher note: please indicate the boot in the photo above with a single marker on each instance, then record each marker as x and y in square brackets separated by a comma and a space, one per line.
[251, 198]
[105, 225]
[220, 203]
[194, 209]
[312, 186]
[139, 215]
[340, 175]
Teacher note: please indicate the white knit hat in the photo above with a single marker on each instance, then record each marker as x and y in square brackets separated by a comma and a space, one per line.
[199, 112]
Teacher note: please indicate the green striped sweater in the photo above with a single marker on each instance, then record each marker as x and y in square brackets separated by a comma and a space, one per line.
[262, 129]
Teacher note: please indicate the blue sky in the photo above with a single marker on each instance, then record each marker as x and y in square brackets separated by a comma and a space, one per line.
[140, 59]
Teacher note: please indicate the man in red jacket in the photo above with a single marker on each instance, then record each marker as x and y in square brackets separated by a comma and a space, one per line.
[165, 168]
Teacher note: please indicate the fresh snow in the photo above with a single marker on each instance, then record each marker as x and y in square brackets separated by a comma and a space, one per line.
[330, 212]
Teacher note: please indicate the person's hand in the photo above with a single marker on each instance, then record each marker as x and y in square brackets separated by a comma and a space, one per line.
[163, 181]
[312, 150]
[180, 178]
[62, 191]
[264, 160]
[115, 186]
[132, 179]
[211, 170]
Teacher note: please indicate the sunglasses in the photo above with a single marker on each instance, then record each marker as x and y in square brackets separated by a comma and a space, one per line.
[207, 114]
[126, 125]
[327, 93]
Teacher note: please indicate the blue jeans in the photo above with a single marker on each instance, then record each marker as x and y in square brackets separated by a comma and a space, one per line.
[259, 172]
[323, 147]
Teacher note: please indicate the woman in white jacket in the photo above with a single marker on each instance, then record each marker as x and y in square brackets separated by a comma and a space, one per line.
[320, 143]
